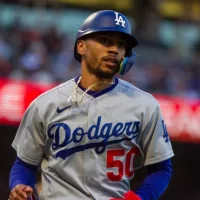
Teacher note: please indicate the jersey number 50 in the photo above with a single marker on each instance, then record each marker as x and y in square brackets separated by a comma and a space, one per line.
[122, 168]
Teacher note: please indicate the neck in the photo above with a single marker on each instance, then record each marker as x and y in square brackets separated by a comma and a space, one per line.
[88, 80]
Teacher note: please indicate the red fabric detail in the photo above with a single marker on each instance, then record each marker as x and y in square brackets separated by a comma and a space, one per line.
[130, 195]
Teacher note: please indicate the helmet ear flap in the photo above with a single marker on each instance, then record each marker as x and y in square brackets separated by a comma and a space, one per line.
[126, 64]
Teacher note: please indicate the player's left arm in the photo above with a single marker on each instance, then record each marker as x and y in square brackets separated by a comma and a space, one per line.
[156, 145]
[155, 140]
[150, 189]
[157, 181]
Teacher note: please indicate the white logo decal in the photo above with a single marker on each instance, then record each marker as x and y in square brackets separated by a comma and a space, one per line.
[119, 19]
[83, 31]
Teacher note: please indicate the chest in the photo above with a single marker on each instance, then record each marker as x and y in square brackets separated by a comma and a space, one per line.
[95, 125]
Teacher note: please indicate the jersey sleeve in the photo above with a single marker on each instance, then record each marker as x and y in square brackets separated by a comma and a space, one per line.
[156, 143]
[30, 138]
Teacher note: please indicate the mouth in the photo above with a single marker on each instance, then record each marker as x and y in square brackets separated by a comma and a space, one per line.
[111, 61]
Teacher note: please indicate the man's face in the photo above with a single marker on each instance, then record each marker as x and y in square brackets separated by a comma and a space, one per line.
[103, 53]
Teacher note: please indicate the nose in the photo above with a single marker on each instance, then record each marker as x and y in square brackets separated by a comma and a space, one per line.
[113, 50]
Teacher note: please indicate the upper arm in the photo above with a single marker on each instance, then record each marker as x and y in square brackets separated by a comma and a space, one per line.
[156, 144]
[30, 138]
[165, 165]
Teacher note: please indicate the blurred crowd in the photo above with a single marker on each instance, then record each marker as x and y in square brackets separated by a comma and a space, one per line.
[47, 57]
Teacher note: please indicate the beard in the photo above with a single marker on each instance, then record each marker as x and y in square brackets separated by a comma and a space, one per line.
[95, 67]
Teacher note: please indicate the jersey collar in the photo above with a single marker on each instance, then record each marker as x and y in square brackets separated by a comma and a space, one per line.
[96, 94]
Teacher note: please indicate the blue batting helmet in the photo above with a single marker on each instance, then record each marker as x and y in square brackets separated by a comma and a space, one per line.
[107, 21]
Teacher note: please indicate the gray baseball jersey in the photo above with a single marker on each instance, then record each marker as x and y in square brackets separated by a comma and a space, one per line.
[90, 151]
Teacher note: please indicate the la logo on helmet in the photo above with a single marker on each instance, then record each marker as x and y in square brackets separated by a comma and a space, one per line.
[119, 19]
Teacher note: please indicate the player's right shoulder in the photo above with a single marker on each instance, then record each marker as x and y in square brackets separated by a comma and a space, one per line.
[62, 90]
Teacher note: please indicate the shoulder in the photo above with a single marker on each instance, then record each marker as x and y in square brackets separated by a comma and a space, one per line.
[136, 94]
[47, 103]
[54, 96]
[59, 91]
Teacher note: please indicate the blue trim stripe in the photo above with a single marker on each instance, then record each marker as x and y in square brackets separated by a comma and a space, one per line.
[96, 94]
[99, 147]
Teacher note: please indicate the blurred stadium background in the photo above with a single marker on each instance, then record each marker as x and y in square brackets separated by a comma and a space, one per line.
[36, 53]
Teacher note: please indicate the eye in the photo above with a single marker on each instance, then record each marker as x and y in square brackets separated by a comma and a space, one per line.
[122, 44]
[104, 40]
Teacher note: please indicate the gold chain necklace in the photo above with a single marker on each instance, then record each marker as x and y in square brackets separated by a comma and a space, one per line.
[74, 98]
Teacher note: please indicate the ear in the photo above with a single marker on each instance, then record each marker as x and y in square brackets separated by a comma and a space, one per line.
[81, 48]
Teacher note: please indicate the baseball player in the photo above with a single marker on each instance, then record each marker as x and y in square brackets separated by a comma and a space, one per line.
[91, 133]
